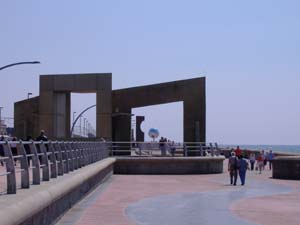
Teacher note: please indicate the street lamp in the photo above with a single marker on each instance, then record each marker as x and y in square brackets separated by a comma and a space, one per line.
[28, 95]
[0, 117]
[19, 63]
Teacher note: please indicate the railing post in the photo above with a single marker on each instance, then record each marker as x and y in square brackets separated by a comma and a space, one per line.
[65, 157]
[70, 156]
[53, 162]
[60, 163]
[10, 169]
[185, 150]
[212, 149]
[89, 153]
[82, 156]
[201, 149]
[45, 162]
[217, 148]
[24, 166]
[98, 146]
[36, 173]
[76, 155]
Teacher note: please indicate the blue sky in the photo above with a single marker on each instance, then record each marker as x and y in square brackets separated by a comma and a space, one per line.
[248, 51]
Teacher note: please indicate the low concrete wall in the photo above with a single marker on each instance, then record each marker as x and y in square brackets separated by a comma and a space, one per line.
[168, 165]
[287, 167]
[43, 204]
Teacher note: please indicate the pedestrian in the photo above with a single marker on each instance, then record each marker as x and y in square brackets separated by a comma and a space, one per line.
[252, 160]
[173, 148]
[260, 162]
[243, 166]
[264, 155]
[238, 151]
[162, 146]
[270, 158]
[42, 136]
[233, 168]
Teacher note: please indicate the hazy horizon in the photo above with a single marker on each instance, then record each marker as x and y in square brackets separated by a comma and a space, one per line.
[248, 52]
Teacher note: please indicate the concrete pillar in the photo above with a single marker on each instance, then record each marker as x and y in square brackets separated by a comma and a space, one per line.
[103, 112]
[46, 110]
[140, 136]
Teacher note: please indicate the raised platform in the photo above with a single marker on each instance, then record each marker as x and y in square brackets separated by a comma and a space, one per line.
[168, 165]
[286, 167]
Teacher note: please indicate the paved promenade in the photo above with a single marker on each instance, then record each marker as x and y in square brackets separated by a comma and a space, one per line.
[189, 199]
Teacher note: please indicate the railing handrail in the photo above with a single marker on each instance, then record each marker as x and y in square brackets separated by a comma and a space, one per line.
[54, 158]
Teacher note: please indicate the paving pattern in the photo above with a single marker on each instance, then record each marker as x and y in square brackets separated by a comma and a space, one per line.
[188, 199]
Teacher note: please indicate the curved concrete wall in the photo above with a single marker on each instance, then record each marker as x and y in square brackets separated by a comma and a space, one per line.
[287, 167]
[168, 165]
[43, 204]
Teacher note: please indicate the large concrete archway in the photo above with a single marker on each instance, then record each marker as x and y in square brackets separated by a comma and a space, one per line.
[191, 92]
[51, 110]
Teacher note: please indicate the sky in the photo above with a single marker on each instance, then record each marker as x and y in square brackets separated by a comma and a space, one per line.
[247, 50]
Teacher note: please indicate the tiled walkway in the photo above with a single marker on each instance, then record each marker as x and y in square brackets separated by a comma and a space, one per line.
[189, 199]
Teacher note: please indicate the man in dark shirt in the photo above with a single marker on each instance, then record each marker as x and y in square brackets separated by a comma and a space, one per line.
[233, 168]
[42, 136]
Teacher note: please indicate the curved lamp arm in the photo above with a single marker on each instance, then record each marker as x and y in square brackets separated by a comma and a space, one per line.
[19, 63]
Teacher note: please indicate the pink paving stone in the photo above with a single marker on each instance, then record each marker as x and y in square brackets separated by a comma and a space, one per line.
[109, 208]
[271, 210]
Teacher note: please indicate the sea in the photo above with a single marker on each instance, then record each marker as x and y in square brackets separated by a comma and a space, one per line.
[274, 148]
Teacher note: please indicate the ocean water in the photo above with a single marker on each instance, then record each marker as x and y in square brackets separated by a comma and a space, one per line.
[274, 148]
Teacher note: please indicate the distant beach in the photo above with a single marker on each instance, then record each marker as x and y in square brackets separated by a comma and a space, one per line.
[274, 148]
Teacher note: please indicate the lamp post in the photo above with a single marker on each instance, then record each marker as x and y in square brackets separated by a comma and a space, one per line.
[19, 63]
[73, 117]
[28, 95]
[1, 119]
[84, 123]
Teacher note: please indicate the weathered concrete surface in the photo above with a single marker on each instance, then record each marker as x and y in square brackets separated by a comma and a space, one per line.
[26, 117]
[168, 165]
[43, 204]
[191, 92]
[51, 110]
[286, 167]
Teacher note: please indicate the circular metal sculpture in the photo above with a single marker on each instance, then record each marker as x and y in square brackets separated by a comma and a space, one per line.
[153, 133]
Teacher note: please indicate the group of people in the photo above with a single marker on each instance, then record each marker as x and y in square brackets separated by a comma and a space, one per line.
[165, 144]
[261, 159]
[238, 164]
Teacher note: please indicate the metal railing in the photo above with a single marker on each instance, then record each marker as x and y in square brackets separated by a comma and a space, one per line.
[48, 160]
[164, 149]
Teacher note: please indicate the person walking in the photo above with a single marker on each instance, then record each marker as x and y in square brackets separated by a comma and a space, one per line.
[270, 158]
[252, 160]
[243, 166]
[260, 162]
[238, 151]
[233, 168]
